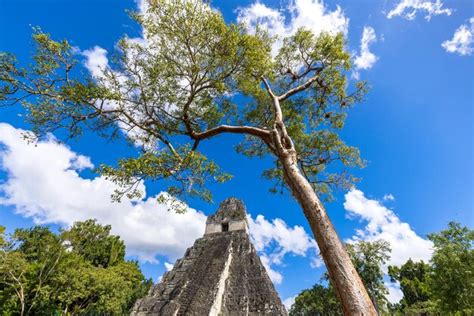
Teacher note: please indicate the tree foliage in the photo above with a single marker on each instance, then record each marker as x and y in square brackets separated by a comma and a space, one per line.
[95, 244]
[42, 273]
[445, 285]
[187, 78]
[317, 301]
[452, 280]
[2, 237]
[413, 278]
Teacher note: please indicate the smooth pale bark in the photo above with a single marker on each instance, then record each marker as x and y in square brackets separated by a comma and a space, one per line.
[345, 279]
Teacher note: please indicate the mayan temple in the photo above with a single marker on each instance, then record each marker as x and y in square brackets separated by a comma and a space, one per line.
[221, 274]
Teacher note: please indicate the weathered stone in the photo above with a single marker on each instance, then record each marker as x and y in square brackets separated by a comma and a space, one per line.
[221, 274]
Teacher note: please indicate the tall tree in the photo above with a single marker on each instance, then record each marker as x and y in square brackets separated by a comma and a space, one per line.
[14, 287]
[452, 281]
[42, 250]
[181, 86]
[94, 242]
[413, 278]
[13, 274]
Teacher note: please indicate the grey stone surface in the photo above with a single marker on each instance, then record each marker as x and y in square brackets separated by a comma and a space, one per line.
[229, 209]
[230, 216]
[221, 274]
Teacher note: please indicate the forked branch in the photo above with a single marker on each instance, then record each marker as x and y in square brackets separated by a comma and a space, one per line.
[301, 87]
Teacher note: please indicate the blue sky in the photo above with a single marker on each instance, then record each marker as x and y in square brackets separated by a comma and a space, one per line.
[415, 129]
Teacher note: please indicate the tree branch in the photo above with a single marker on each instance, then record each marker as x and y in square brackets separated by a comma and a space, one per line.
[267, 86]
[299, 88]
[250, 130]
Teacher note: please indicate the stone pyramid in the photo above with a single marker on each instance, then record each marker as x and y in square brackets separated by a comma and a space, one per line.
[221, 274]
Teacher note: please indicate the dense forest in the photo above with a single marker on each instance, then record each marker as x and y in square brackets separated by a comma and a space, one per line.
[80, 270]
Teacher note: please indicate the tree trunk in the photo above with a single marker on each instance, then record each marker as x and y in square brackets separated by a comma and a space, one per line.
[345, 279]
[22, 303]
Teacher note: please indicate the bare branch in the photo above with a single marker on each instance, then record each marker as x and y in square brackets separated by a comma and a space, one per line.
[299, 88]
[267, 86]
[250, 130]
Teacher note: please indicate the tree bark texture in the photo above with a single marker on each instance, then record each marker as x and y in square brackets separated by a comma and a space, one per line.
[345, 279]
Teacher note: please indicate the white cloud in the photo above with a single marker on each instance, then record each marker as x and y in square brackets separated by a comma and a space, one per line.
[275, 239]
[388, 197]
[288, 302]
[43, 183]
[462, 40]
[168, 266]
[382, 223]
[289, 239]
[366, 59]
[81, 162]
[394, 292]
[142, 5]
[259, 14]
[96, 60]
[311, 14]
[408, 9]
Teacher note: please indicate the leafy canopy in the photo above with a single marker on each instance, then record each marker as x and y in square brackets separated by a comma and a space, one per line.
[191, 78]
[445, 285]
[413, 278]
[317, 301]
[452, 281]
[42, 273]
[95, 244]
